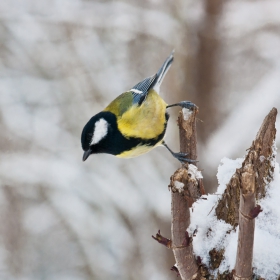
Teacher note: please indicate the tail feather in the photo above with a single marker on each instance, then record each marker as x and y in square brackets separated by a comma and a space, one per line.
[162, 72]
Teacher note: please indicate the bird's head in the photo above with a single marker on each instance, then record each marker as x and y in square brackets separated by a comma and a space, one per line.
[94, 135]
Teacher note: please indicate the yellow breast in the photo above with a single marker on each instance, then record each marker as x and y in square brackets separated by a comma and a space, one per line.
[146, 121]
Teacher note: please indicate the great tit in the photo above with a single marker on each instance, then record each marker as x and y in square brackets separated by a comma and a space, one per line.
[134, 123]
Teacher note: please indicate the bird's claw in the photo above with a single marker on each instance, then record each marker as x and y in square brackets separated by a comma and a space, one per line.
[184, 104]
[188, 105]
[188, 160]
[182, 158]
[180, 154]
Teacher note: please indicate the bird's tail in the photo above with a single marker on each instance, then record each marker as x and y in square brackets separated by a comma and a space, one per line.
[162, 72]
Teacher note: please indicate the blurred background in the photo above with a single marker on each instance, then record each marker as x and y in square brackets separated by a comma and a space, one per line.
[63, 61]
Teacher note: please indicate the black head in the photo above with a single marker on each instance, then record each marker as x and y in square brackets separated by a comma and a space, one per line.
[102, 135]
[96, 132]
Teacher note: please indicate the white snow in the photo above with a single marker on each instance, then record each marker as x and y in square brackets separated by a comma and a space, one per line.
[179, 186]
[194, 172]
[267, 230]
[186, 113]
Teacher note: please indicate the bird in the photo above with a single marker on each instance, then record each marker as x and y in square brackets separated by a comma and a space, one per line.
[134, 123]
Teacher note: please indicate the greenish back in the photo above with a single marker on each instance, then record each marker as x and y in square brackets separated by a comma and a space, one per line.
[121, 104]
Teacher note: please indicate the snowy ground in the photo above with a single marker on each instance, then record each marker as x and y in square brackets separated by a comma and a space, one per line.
[266, 254]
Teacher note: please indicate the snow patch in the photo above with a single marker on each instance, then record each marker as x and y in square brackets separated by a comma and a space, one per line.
[179, 186]
[194, 172]
[186, 113]
[212, 233]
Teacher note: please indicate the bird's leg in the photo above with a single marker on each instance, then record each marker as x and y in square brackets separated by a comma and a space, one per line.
[184, 104]
[180, 156]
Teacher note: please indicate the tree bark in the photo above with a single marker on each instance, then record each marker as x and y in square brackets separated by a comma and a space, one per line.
[244, 256]
[183, 199]
[237, 205]
[259, 155]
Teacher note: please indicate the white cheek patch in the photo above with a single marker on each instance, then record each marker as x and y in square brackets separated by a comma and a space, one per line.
[100, 131]
[136, 90]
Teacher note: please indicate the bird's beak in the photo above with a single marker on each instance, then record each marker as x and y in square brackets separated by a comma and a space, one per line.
[86, 154]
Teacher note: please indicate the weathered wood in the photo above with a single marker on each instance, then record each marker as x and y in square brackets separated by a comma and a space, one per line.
[259, 155]
[181, 201]
[244, 256]
[237, 205]
[187, 132]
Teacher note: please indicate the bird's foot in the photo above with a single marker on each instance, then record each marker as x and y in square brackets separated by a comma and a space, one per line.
[182, 157]
[188, 105]
[184, 104]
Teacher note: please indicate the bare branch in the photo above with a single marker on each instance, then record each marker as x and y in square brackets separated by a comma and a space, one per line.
[162, 240]
[182, 200]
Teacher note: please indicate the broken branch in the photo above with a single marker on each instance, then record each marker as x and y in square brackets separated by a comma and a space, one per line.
[162, 240]
[259, 155]
[182, 200]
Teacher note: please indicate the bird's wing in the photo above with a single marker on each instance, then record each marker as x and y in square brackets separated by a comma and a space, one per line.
[135, 97]
[138, 94]
[140, 91]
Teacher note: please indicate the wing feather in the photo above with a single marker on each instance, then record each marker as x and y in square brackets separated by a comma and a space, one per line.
[141, 90]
